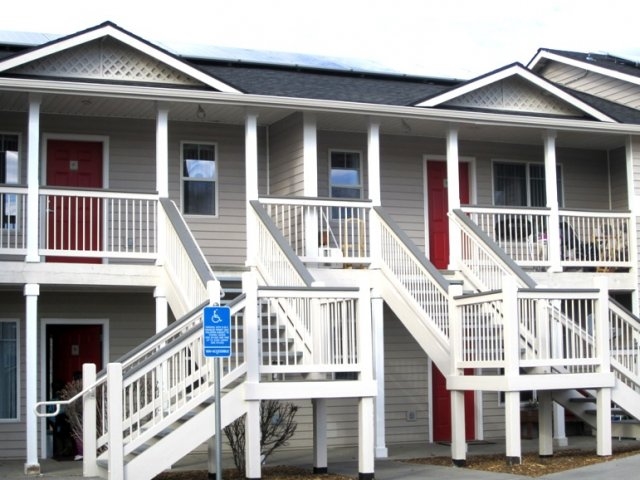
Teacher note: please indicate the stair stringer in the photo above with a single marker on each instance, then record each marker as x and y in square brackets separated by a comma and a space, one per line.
[186, 437]
[416, 321]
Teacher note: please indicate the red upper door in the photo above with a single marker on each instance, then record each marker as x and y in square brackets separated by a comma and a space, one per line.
[74, 223]
[438, 208]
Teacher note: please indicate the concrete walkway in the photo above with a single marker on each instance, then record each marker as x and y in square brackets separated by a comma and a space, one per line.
[345, 461]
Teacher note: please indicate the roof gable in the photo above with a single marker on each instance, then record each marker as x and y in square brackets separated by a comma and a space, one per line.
[514, 89]
[108, 53]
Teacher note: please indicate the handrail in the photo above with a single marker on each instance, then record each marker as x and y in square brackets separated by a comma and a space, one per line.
[282, 244]
[128, 360]
[413, 248]
[498, 255]
[200, 264]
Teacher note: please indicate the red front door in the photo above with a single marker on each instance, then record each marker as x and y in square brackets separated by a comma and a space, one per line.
[442, 408]
[438, 208]
[68, 347]
[74, 223]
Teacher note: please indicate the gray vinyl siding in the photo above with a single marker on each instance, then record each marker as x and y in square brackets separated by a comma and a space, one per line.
[131, 320]
[286, 157]
[492, 416]
[222, 238]
[618, 175]
[586, 179]
[594, 83]
[406, 377]
[402, 182]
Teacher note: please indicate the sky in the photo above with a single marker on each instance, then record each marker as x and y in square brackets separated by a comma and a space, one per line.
[447, 38]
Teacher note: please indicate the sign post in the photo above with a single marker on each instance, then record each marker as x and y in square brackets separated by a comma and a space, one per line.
[216, 343]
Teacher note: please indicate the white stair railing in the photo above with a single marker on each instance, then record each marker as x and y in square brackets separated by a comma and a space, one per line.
[410, 269]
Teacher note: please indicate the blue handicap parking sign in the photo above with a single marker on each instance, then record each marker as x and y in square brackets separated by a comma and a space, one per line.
[216, 330]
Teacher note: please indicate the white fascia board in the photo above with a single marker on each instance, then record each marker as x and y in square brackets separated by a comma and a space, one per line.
[108, 30]
[469, 87]
[584, 65]
[164, 94]
[527, 75]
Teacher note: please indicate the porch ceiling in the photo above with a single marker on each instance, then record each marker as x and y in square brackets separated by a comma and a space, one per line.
[187, 110]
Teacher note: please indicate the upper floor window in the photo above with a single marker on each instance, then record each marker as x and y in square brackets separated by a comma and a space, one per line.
[345, 175]
[199, 179]
[8, 370]
[522, 184]
[9, 174]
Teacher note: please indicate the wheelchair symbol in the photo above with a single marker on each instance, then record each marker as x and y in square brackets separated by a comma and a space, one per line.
[216, 317]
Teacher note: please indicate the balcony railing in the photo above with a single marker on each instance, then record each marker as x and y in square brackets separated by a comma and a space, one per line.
[318, 229]
[13, 215]
[98, 224]
[587, 240]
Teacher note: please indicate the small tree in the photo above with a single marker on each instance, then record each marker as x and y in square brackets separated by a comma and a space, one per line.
[277, 426]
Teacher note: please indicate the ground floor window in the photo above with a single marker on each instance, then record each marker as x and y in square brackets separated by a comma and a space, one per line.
[522, 184]
[8, 370]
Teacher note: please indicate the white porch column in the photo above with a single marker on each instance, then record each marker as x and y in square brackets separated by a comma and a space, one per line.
[160, 295]
[31, 293]
[377, 322]
[310, 182]
[89, 419]
[453, 195]
[373, 162]
[458, 420]
[635, 214]
[162, 151]
[252, 441]
[603, 395]
[33, 178]
[551, 190]
[319, 435]
[511, 370]
[251, 179]
[545, 420]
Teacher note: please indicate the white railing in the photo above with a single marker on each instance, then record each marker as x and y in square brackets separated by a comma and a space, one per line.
[13, 218]
[554, 329]
[624, 344]
[99, 224]
[187, 268]
[321, 228]
[411, 270]
[276, 262]
[598, 240]
[324, 338]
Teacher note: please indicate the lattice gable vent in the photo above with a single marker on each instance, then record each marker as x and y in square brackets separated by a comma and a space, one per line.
[517, 95]
[106, 59]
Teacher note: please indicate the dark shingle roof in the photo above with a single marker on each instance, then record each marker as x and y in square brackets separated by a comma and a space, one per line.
[618, 112]
[321, 84]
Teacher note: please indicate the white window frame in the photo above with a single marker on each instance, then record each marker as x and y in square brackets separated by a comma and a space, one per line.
[17, 379]
[215, 181]
[527, 164]
[360, 185]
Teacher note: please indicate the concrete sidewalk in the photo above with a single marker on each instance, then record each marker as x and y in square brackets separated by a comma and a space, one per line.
[345, 461]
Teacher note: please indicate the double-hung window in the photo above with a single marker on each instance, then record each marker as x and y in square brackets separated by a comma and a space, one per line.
[8, 370]
[199, 179]
[9, 175]
[345, 175]
[522, 184]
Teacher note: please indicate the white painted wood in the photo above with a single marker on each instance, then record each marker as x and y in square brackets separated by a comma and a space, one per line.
[115, 432]
[252, 441]
[512, 426]
[89, 466]
[458, 441]
[377, 321]
[545, 423]
[33, 180]
[162, 151]
[552, 200]
[160, 295]
[366, 435]
[373, 161]
[453, 196]
[31, 293]
[319, 433]
[603, 420]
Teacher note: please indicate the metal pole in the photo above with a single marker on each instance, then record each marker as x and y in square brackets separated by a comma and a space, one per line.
[218, 419]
